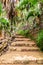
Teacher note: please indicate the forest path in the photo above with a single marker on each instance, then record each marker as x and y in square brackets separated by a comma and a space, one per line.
[23, 51]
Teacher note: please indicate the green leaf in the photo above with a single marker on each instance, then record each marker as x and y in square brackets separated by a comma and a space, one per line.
[0, 8]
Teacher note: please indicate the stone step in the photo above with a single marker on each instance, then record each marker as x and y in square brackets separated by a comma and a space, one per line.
[19, 64]
[23, 43]
[23, 48]
[22, 52]
[19, 36]
[22, 58]
[22, 39]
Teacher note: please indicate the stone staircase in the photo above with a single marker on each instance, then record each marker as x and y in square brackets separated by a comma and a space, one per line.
[23, 51]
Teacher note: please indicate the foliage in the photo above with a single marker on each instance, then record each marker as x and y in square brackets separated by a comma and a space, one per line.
[0, 8]
[34, 11]
[24, 3]
[32, 7]
[4, 23]
[25, 33]
[30, 12]
[39, 40]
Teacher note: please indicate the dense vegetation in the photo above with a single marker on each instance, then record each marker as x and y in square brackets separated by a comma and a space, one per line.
[40, 39]
[26, 18]
[4, 22]
[33, 11]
